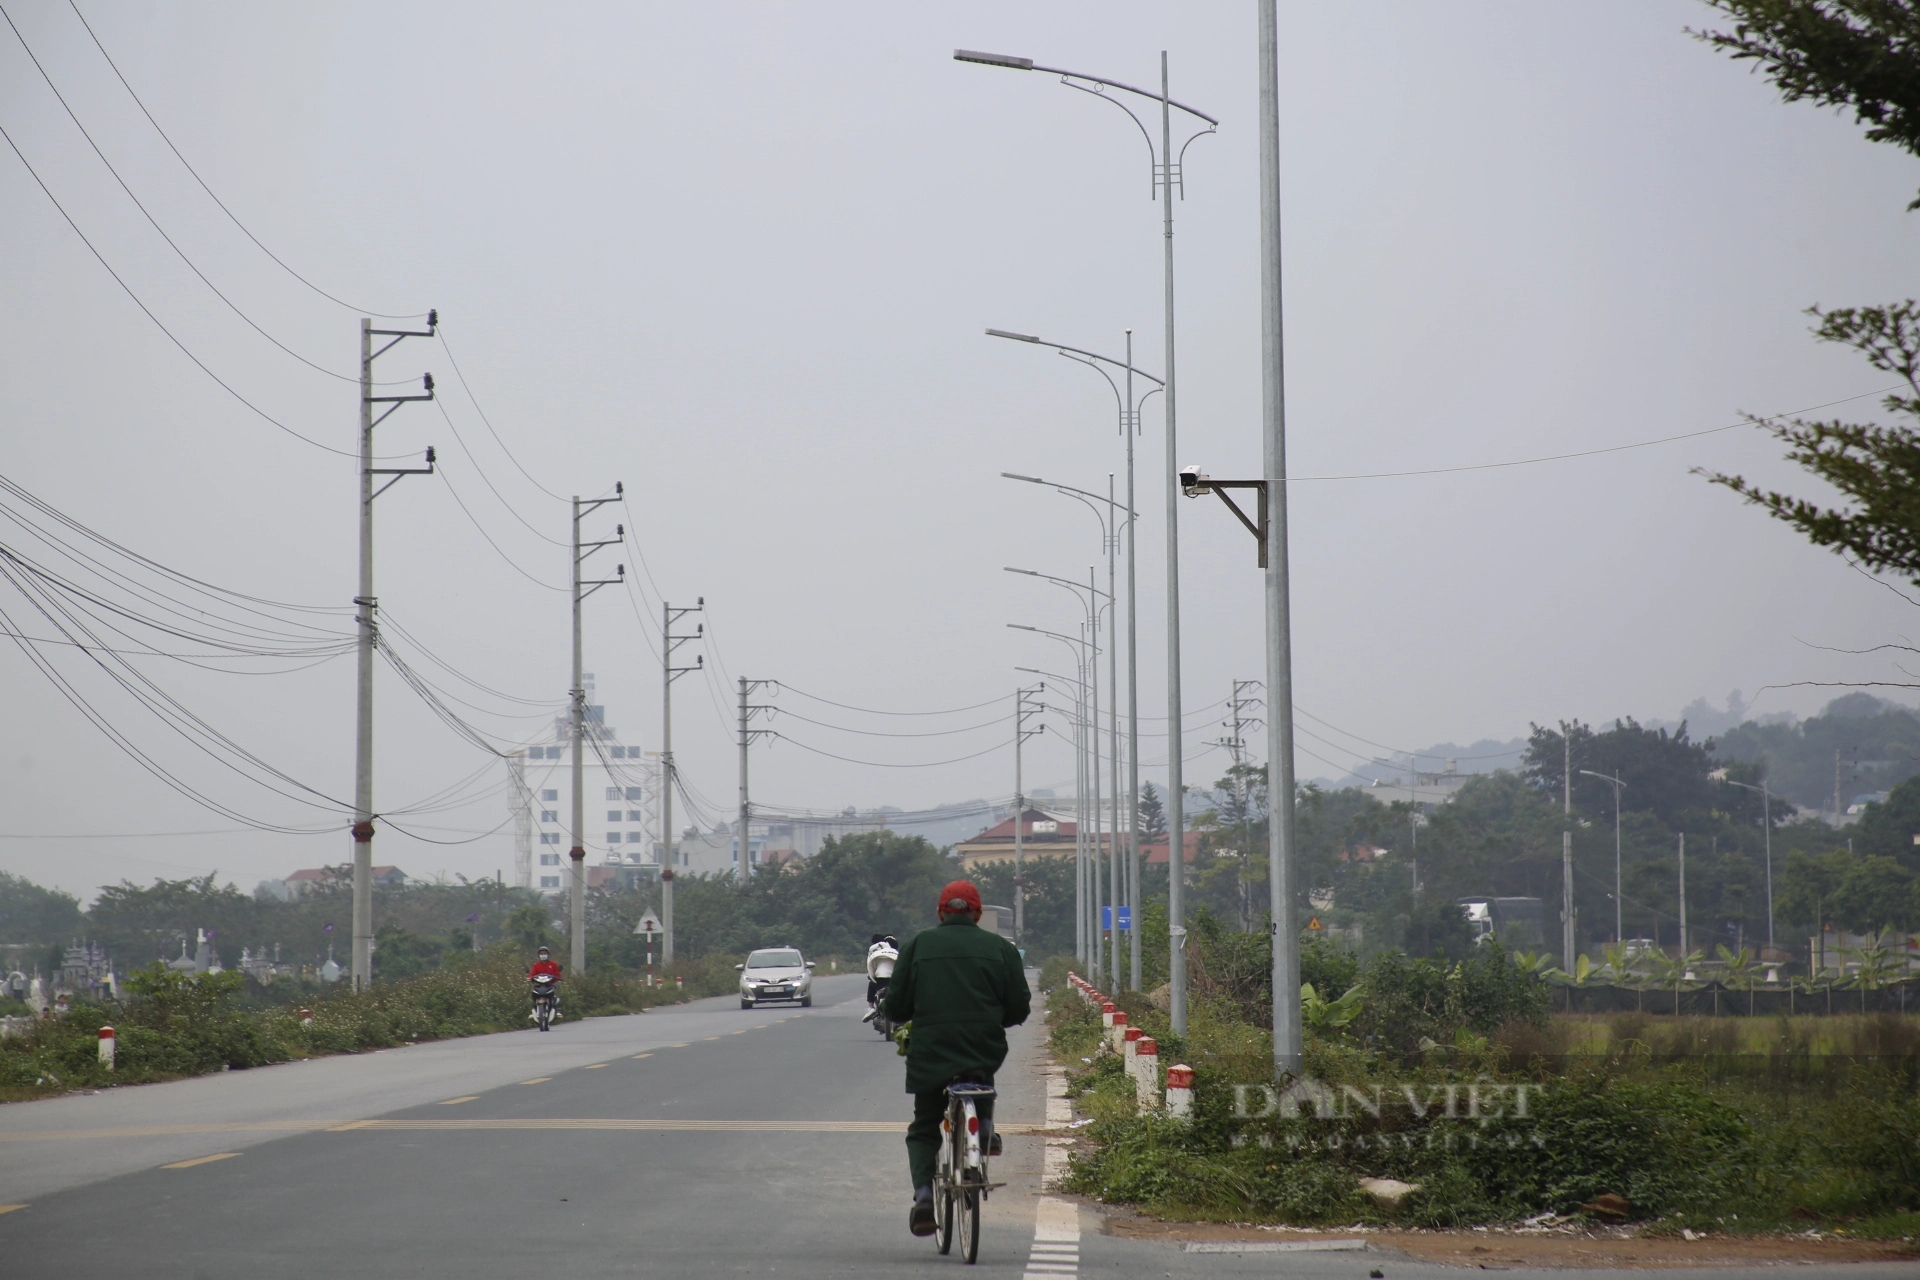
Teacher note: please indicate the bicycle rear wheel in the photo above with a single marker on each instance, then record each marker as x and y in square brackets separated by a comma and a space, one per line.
[969, 1224]
[942, 1220]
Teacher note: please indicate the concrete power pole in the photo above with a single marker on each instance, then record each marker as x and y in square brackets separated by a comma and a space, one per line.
[668, 674]
[1566, 850]
[747, 735]
[577, 855]
[366, 603]
[522, 819]
[1021, 711]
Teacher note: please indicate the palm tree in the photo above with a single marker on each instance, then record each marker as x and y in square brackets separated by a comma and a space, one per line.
[1739, 974]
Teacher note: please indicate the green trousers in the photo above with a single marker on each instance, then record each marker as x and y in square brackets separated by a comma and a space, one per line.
[923, 1135]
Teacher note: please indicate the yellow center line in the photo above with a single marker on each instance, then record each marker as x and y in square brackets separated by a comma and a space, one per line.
[593, 1066]
[472, 1097]
[712, 1037]
[188, 1164]
[537, 1080]
[9, 1208]
[742, 1031]
[638, 1056]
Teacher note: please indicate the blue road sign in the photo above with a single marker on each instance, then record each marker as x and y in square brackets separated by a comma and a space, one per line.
[1126, 917]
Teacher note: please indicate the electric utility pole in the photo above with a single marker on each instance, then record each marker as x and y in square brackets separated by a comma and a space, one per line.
[1236, 745]
[578, 854]
[1022, 710]
[365, 602]
[1566, 849]
[747, 735]
[668, 674]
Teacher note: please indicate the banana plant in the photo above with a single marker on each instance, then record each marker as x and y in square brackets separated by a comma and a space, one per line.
[1877, 962]
[1321, 1014]
[1738, 973]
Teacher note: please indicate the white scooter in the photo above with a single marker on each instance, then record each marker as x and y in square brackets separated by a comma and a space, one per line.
[880, 960]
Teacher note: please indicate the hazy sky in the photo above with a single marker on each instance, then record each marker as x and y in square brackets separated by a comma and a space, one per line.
[740, 258]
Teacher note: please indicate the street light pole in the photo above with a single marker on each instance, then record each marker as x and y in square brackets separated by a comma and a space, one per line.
[1129, 415]
[1084, 656]
[1021, 711]
[1619, 936]
[1166, 175]
[1766, 820]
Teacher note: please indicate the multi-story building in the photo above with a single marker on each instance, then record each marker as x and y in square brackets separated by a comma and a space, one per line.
[621, 788]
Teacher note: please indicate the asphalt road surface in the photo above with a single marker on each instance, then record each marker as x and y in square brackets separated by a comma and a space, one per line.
[702, 1141]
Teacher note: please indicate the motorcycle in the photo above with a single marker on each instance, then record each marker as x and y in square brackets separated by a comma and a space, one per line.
[546, 1000]
[880, 961]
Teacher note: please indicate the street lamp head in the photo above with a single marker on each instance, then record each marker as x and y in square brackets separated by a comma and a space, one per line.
[1031, 573]
[1193, 481]
[993, 59]
[1017, 337]
[1029, 479]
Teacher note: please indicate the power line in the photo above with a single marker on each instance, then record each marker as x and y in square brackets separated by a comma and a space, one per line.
[475, 402]
[511, 562]
[1591, 453]
[209, 190]
[148, 215]
[148, 312]
[890, 764]
[844, 706]
[880, 733]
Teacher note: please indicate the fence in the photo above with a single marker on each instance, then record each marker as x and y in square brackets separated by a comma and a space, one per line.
[1715, 999]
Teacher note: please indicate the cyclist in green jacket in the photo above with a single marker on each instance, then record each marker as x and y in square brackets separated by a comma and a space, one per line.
[961, 988]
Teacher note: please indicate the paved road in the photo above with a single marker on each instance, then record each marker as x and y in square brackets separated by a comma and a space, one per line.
[705, 1141]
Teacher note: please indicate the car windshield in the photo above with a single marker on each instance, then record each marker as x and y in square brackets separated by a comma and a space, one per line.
[774, 960]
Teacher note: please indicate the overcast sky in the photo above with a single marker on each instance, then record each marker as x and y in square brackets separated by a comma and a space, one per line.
[740, 257]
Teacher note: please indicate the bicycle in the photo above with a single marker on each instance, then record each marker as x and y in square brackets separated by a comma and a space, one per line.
[960, 1185]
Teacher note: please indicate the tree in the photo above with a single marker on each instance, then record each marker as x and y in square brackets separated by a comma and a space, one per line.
[31, 914]
[1876, 468]
[1888, 828]
[1153, 813]
[1863, 54]
[1049, 911]
[1665, 773]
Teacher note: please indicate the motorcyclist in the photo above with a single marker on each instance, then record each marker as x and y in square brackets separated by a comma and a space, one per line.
[874, 985]
[961, 988]
[544, 963]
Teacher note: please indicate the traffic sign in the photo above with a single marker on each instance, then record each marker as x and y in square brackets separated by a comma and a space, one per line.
[649, 924]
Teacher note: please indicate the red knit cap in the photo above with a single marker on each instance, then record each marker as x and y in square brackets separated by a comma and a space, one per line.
[960, 896]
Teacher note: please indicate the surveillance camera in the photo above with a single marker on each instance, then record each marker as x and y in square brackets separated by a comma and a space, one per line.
[1193, 481]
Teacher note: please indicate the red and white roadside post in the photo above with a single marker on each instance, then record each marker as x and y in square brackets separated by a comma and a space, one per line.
[1180, 1091]
[306, 1017]
[1146, 1073]
[1106, 1020]
[1118, 1035]
[1129, 1043]
[106, 1047]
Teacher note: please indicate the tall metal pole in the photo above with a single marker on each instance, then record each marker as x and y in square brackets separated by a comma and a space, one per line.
[1766, 821]
[745, 850]
[1132, 427]
[1019, 820]
[1281, 871]
[1176, 779]
[666, 784]
[1086, 944]
[1115, 853]
[1683, 897]
[1566, 850]
[362, 962]
[1106, 898]
[577, 694]
[1619, 936]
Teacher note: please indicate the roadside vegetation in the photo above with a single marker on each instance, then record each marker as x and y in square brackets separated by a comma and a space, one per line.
[171, 1025]
[1698, 1124]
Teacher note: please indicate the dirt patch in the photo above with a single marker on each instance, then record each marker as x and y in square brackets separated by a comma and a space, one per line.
[1598, 1247]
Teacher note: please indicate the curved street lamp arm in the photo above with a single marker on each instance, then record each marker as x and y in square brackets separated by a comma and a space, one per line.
[1119, 400]
[1125, 88]
[1067, 488]
[1138, 372]
[1028, 64]
[1153, 159]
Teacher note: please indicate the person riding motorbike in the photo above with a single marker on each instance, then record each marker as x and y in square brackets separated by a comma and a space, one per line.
[881, 942]
[961, 988]
[546, 965]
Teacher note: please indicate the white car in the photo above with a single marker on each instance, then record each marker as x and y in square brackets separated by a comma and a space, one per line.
[776, 973]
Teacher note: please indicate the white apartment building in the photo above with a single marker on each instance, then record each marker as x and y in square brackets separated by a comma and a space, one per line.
[621, 791]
